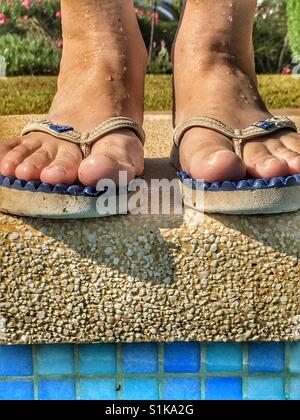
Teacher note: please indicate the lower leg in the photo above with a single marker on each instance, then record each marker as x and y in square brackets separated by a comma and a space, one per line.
[102, 76]
[215, 76]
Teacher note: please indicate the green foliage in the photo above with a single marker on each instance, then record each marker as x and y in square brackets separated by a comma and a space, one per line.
[29, 55]
[270, 37]
[280, 91]
[29, 37]
[35, 48]
[19, 18]
[294, 26]
[33, 95]
[26, 95]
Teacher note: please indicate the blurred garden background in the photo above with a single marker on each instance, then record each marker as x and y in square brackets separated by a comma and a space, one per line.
[31, 43]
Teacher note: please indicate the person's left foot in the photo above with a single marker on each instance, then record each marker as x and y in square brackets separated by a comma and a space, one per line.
[230, 96]
[214, 76]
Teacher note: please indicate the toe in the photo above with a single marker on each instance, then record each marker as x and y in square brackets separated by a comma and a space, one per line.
[280, 151]
[261, 163]
[64, 168]
[30, 169]
[115, 153]
[7, 147]
[14, 157]
[292, 142]
[97, 167]
[294, 165]
[222, 165]
[209, 156]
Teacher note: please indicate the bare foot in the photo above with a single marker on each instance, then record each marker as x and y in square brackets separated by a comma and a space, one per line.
[215, 76]
[102, 76]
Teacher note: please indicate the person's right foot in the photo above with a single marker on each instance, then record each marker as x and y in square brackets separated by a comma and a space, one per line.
[215, 77]
[102, 76]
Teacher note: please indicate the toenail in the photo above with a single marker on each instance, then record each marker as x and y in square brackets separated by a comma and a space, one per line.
[271, 160]
[57, 168]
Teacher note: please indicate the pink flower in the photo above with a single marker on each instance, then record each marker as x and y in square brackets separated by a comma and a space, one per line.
[58, 14]
[287, 70]
[3, 19]
[59, 43]
[26, 4]
[25, 17]
[139, 12]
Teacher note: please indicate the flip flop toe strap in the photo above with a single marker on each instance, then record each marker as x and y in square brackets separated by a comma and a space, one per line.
[238, 137]
[260, 129]
[84, 140]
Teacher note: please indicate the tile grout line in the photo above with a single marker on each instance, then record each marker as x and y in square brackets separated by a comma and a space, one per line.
[216, 374]
[161, 352]
[76, 351]
[35, 376]
[203, 371]
[119, 376]
[245, 371]
[287, 381]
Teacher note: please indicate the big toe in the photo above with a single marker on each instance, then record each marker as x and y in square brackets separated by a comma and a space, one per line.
[101, 167]
[222, 165]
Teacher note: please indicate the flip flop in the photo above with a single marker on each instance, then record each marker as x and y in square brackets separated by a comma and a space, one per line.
[37, 199]
[249, 196]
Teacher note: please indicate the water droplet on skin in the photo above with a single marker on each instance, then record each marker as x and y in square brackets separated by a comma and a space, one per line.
[230, 18]
[109, 78]
[121, 29]
[250, 86]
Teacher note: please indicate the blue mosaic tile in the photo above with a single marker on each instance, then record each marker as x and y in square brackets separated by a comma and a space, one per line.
[295, 389]
[182, 357]
[16, 390]
[98, 359]
[224, 389]
[140, 358]
[64, 390]
[180, 378]
[140, 389]
[15, 361]
[294, 362]
[264, 388]
[182, 389]
[98, 389]
[266, 357]
[55, 360]
[224, 357]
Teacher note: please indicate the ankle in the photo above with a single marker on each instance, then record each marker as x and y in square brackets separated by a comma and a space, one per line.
[214, 50]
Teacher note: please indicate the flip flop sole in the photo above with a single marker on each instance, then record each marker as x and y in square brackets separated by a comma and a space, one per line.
[250, 196]
[34, 199]
[253, 202]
